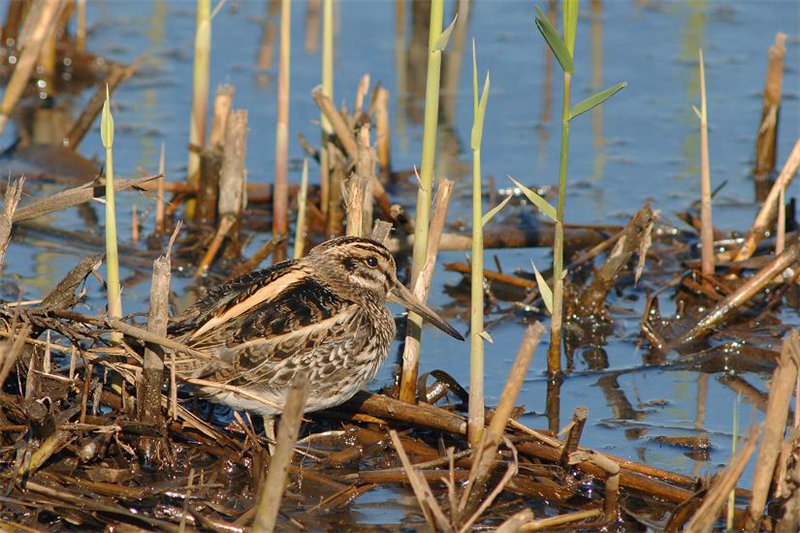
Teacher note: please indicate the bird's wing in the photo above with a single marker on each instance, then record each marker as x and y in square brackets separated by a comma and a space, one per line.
[267, 315]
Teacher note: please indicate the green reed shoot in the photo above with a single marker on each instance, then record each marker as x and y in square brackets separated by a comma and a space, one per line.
[112, 257]
[563, 50]
[734, 441]
[437, 42]
[200, 85]
[476, 396]
[300, 227]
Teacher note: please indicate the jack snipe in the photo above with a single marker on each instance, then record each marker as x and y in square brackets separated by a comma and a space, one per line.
[324, 314]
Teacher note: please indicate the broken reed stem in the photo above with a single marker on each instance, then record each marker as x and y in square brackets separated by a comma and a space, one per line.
[300, 226]
[741, 295]
[767, 214]
[485, 454]
[365, 167]
[767, 138]
[356, 197]
[423, 212]
[233, 175]
[706, 515]
[383, 133]
[327, 90]
[421, 289]
[43, 17]
[149, 391]
[780, 397]
[707, 225]
[12, 198]
[273, 488]
[200, 86]
[280, 196]
[211, 157]
[159, 216]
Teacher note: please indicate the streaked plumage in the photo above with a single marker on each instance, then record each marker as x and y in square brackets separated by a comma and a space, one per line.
[324, 314]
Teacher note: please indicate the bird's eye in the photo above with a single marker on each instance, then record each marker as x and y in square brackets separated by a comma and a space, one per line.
[372, 261]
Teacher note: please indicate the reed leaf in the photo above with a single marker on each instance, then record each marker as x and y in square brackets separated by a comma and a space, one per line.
[480, 114]
[493, 211]
[595, 100]
[553, 40]
[571, 8]
[444, 37]
[112, 255]
[537, 200]
[544, 289]
[485, 336]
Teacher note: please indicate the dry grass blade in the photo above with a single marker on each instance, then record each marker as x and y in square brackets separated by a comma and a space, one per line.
[427, 501]
[560, 520]
[273, 488]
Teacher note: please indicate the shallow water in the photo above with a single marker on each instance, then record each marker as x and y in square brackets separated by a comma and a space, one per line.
[642, 146]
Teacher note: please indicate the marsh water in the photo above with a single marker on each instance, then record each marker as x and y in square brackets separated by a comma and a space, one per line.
[643, 145]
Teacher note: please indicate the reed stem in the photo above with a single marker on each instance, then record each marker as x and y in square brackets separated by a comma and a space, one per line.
[280, 197]
[423, 213]
[327, 90]
[302, 199]
[200, 84]
[706, 223]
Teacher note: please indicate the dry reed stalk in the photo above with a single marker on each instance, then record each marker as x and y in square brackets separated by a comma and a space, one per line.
[706, 515]
[225, 225]
[612, 474]
[573, 439]
[767, 214]
[421, 289]
[280, 196]
[302, 207]
[327, 89]
[707, 224]
[365, 166]
[560, 520]
[200, 87]
[149, 391]
[381, 231]
[39, 24]
[48, 60]
[383, 134]
[72, 197]
[134, 225]
[233, 176]
[361, 93]
[767, 138]
[485, 454]
[427, 501]
[159, 216]
[337, 122]
[780, 396]
[355, 201]
[211, 157]
[273, 488]
[10, 351]
[335, 216]
[741, 295]
[12, 198]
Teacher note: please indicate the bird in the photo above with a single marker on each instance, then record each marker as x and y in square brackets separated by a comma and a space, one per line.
[323, 315]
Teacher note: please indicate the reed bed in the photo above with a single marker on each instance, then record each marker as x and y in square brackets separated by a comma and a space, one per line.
[98, 432]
